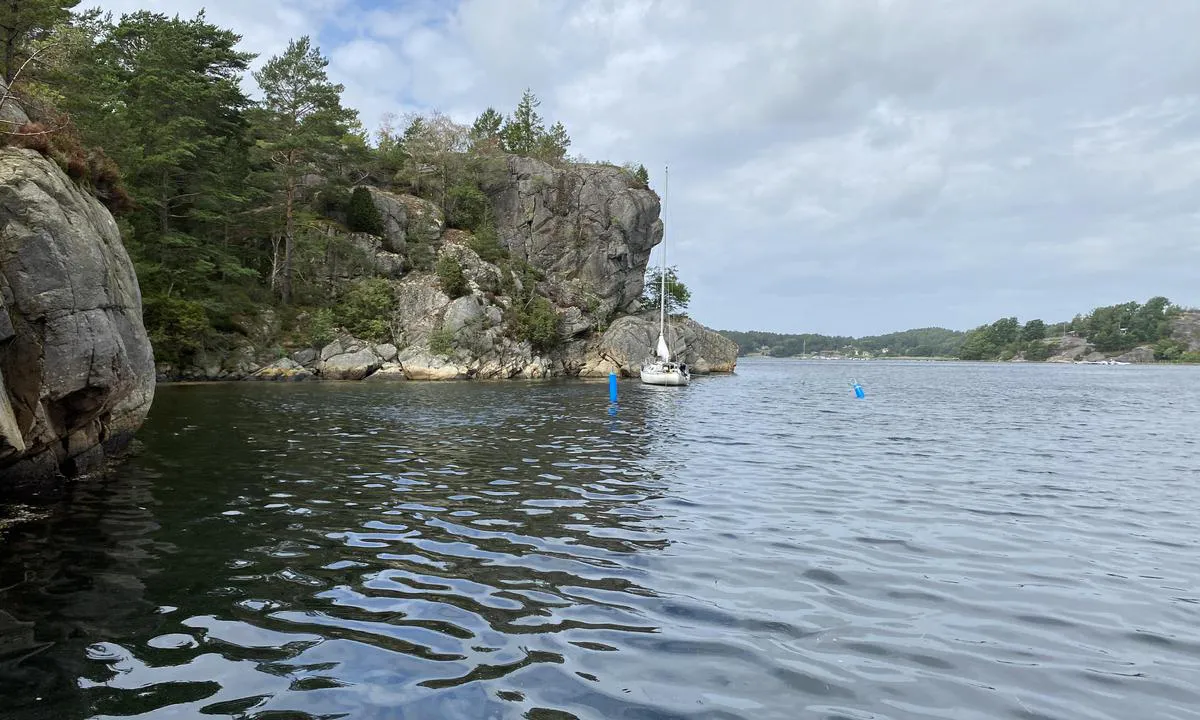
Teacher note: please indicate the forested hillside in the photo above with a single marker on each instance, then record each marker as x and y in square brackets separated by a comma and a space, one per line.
[921, 342]
[231, 205]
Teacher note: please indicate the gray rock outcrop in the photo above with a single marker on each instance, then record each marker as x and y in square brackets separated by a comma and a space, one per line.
[76, 364]
[405, 216]
[631, 339]
[1142, 354]
[590, 228]
[1186, 328]
[12, 115]
[576, 235]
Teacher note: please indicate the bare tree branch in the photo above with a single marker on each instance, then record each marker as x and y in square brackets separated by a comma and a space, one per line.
[8, 93]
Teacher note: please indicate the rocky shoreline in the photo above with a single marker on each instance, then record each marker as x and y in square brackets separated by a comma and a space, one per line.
[620, 349]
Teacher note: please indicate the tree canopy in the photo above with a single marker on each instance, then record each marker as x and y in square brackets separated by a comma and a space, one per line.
[678, 296]
[229, 206]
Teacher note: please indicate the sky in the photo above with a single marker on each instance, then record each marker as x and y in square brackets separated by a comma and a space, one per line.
[846, 167]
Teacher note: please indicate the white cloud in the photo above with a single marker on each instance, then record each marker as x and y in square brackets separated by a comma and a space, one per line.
[845, 165]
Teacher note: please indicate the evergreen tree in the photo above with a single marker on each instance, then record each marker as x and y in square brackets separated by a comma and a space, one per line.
[642, 176]
[485, 133]
[361, 213]
[522, 132]
[163, 95]
[302, 129]
[553, 145]
[1033, 330]
[21, 21]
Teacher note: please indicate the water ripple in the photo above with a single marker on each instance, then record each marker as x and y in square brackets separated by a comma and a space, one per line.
[758, 546]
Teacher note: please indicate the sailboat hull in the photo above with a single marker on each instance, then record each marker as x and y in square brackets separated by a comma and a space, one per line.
[659, 374]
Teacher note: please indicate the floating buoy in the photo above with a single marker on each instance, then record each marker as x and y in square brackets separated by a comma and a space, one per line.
[858, 389]
[612, 387]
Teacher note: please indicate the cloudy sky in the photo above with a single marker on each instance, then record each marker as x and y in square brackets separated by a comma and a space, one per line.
[837, 166]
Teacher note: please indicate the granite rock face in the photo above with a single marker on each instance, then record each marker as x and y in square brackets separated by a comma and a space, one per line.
[631, 339]
[589, 228]
[77, 368]
[578, 236]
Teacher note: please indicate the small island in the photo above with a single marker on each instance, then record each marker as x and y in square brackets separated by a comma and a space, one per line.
[1154, 331]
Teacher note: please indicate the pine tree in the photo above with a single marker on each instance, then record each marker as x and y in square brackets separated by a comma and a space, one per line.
[553, 145]
[303, 125]
[521, 132]
[642, 176]
[485, 132]
[24, 20]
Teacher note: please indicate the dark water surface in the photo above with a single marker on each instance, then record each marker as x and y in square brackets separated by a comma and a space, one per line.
[969, 541]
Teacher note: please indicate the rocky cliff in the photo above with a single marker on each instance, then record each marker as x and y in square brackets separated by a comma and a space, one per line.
[576, 238]
[1185, 334]
[76, 365]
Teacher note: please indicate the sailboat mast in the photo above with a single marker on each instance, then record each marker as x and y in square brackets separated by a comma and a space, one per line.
[662, 273]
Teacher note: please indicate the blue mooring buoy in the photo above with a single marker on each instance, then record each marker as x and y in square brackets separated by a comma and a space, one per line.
[858, 390]
[612, 387]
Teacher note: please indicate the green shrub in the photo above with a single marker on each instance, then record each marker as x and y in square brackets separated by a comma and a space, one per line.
[486, 243]
[536, 322]
[467, 208]
[441, 341]
[450, 276]
[334, 201]
[1169, 349]
[420, 254]
[320, 330]
[361, 213]
[366, 308]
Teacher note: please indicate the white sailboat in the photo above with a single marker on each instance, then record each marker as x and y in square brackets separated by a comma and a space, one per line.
[661, 368]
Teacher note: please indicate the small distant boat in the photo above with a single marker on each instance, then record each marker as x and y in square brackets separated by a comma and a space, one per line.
[662, 368]
[1100, 362]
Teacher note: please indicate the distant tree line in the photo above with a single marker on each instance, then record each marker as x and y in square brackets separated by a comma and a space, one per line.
[920, 342]
[1112, 328]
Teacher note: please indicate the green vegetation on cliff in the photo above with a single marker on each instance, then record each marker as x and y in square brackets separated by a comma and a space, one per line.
[229, 206]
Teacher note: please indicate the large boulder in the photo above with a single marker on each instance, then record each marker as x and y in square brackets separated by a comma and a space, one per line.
[284, 369]
[12, 115]
[420, 304]
[1140, 354]
[419, 363]
[394, 215]
[405, 218]
[77, 368]
[348, 358]
[631, 339]
[351, 366]
[589, 228]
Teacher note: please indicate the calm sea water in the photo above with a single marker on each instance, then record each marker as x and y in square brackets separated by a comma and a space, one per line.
[969, 541]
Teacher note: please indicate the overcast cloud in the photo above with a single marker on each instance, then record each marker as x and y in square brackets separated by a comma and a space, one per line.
[838, 166]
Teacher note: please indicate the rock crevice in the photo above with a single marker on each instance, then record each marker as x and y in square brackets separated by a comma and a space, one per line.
[76, 364]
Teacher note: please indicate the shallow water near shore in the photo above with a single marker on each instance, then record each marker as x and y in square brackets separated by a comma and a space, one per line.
[968, 541]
